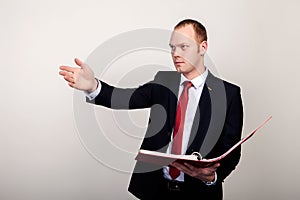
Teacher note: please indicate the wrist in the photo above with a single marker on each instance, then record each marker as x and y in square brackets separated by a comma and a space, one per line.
[94, 85]
[212, 181]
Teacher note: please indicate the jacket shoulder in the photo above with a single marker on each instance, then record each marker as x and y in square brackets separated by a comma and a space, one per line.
[168, 79]
[228, 86]
[166, 76]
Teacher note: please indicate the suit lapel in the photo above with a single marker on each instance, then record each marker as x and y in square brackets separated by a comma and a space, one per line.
[210, 117]
[218, 107]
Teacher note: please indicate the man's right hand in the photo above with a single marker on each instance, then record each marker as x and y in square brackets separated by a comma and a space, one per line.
[81, 78]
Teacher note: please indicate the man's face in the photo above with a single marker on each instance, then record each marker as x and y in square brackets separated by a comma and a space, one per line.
[187, 54]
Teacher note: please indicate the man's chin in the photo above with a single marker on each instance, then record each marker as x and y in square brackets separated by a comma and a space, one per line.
[178, 69]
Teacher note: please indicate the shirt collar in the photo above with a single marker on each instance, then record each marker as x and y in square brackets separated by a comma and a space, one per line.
[198, 81]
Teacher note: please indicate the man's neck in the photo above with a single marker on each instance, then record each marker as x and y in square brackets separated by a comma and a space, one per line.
[195, 73]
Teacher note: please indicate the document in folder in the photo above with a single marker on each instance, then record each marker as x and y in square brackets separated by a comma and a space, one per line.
[164, 159]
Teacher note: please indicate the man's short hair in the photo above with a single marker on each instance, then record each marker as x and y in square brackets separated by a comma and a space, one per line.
[199, 29]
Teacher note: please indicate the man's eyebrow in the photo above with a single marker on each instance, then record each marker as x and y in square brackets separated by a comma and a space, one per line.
[183, 43]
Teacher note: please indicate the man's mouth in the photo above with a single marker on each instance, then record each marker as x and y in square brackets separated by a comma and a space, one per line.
[178, 62]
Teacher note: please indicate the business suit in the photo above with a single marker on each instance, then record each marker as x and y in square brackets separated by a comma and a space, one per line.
[217, 126]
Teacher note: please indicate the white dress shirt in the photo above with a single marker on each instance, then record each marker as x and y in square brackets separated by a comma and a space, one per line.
[194, 96]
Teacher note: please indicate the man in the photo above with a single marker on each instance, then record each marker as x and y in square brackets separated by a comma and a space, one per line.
[203, 114]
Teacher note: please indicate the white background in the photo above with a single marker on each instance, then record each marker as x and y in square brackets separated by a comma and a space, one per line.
[254, 44]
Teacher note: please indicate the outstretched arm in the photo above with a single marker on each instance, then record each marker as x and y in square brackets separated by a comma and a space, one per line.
[81, 77]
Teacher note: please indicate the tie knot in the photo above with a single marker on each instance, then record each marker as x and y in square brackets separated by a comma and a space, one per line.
[187, 84]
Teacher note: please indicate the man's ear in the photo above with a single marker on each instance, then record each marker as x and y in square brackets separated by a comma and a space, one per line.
[203, 48]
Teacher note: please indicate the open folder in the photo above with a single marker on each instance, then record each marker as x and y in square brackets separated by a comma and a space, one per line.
[195, 158]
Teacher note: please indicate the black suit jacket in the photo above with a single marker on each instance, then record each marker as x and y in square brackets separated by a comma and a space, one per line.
[217, 126]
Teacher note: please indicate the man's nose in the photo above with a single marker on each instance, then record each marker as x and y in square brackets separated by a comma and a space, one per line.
[175, 52]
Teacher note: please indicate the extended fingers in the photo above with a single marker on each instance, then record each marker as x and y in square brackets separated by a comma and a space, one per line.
[65, 73]
[71, 84]
[67, 68]
[78, 62]
[67, 76]
[70, 79]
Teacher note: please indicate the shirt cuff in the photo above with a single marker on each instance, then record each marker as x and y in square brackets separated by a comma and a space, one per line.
[91, 96]
[213, 182]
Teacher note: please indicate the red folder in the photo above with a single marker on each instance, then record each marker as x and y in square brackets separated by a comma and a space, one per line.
[164, 159]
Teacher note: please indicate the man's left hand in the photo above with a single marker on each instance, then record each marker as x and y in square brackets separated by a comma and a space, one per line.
[202, 173]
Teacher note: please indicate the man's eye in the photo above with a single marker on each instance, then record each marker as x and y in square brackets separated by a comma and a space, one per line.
[183, 47]
[172, 47]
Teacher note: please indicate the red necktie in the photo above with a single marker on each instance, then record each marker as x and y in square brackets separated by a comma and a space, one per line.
[179, 125]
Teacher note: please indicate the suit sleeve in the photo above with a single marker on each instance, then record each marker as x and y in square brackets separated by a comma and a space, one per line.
[123, 98]
[127, 98]
[231, 134]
